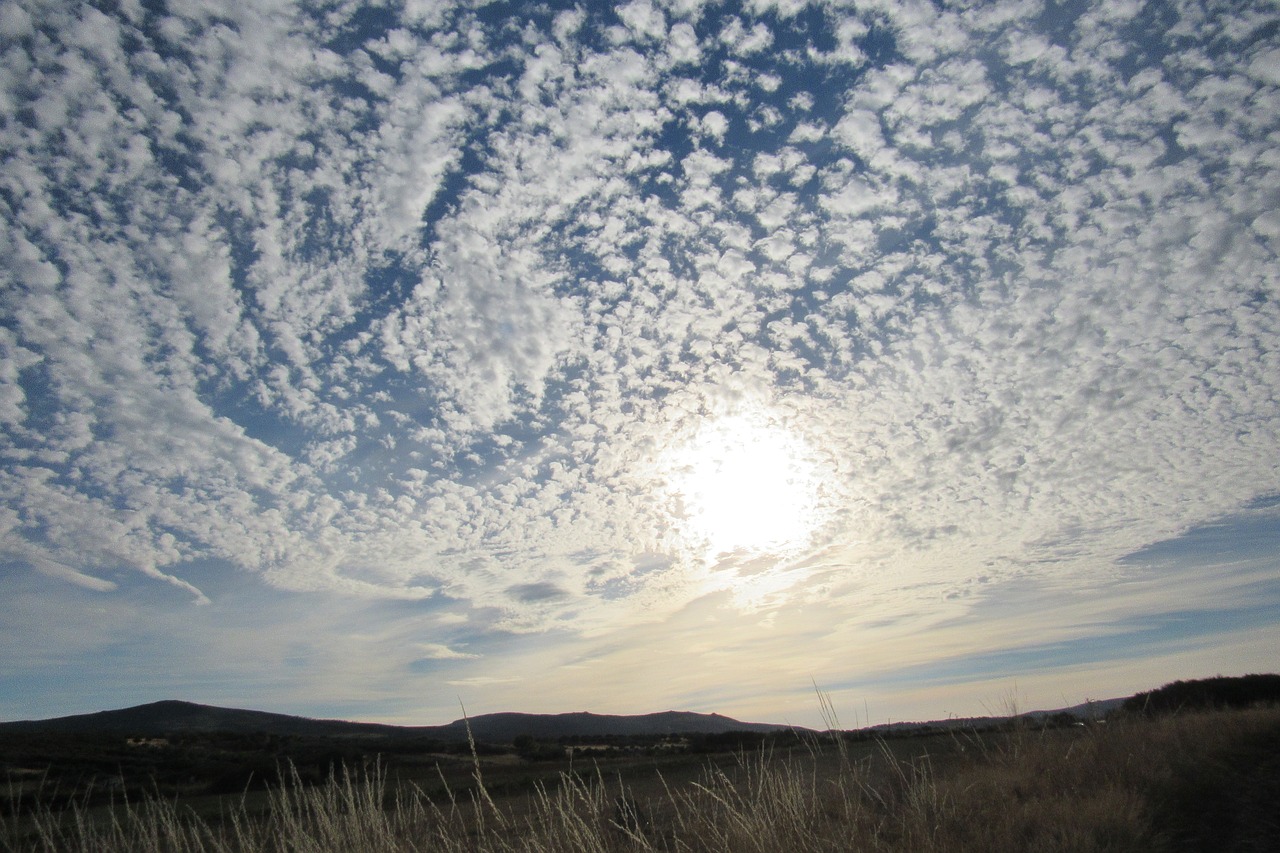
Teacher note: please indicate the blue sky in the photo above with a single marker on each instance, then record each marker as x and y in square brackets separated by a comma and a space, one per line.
[363, 359]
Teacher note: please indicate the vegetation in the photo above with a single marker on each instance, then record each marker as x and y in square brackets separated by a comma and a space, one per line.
[1202, 780]
[1221, 692]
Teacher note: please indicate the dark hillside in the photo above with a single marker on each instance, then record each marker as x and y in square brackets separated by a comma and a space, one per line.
[160, 719]
[1206, 694]
[503, 728]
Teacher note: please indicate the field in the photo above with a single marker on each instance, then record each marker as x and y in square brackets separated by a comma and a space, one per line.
[1206, 780]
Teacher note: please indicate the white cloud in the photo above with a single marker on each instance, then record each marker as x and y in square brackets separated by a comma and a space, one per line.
[438, 651]
[744, 42]
[67, 573]
[716, 125]
[683, 44]
[417, 158]
[643, 19]
[860, 130]
[1265, 66]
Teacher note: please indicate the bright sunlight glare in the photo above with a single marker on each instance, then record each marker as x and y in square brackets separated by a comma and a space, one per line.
[744, 485]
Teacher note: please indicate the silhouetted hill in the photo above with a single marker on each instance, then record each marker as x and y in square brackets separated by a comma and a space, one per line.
[171, 716]
[502, 728]
[1095, 710]
[1205, 693]
[158, 719]
[1084, 712]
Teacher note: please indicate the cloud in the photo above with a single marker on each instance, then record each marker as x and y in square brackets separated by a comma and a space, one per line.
[437, 651]
[67, 573]
[743, 41]
[530, 593]
[482, 681]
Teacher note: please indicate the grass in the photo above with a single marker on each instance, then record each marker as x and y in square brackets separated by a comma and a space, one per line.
[1202, 781]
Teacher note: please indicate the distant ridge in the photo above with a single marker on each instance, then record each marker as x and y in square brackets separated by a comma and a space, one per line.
[169, 717]
[172, 716]
[501, 728]
[1084, 712]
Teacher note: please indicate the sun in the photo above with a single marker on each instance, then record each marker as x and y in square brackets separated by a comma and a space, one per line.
[744, 485]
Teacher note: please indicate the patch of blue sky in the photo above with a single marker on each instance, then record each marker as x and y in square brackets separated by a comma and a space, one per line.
[1248, 536]
[237, 401]
[1170, 633]
[365, 24]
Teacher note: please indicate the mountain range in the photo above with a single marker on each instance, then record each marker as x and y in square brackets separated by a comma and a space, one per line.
[159, 719]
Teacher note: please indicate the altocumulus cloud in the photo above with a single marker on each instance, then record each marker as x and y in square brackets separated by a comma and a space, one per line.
[427, 301]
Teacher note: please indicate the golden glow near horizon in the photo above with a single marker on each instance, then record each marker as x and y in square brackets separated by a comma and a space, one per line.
[744, 485]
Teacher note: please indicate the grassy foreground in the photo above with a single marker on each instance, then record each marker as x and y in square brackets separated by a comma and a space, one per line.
[1200, 781]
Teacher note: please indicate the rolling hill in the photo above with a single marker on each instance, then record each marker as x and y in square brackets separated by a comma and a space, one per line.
[168, 717]
[158, 719]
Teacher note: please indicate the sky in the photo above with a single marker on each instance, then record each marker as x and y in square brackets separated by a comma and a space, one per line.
[380, 360]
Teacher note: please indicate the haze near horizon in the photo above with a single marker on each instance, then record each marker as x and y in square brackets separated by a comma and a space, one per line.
[361, 360]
